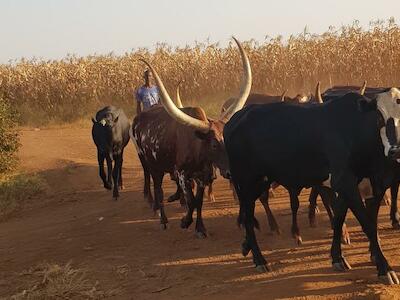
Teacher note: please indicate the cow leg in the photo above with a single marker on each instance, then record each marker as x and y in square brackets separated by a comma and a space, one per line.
[176, 195]
[273, 225]
[235, 196]
[120, 183]
[394, 214]
[328, 198]
[340, 208]
[352, 196]
[186, 186]
[109, 169]
[146, 188]
[312, 206]
[294, 205]
[372, 207]
[159, 198]
[102, 173]
[246, 217]
[210, 193]
[200, 228]
[116, 174]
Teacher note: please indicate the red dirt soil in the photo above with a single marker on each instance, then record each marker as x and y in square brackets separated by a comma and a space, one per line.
[76, 219]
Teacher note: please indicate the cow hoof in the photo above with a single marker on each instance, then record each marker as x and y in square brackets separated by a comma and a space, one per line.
[245, 248]
[185, 223]
[346, 239]
[341, 266]
[173, 198]
[115, 198]
[299, 240]
[121, 187]
[107, 186]
[317, 210]
[211, 198]
[201, 235]
[390, 278]
[262, 268]
[163, 226]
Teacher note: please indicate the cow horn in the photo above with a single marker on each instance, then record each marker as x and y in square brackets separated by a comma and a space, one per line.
[318, 92]
[364, 86]
[171, 108]
[245, 88]
[283, 96]
[178, 96]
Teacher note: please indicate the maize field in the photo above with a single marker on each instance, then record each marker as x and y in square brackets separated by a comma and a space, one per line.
[75, 87]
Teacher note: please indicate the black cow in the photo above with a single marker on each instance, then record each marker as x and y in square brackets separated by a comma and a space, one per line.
[335, 93]
[110, 133]
[304, 146]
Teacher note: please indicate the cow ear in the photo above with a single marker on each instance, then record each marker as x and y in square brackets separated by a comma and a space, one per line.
[116, 119]
[94, 121]
[202, 135]
[365, 104]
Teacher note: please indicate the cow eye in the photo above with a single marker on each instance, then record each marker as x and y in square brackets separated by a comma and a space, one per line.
[398, 101]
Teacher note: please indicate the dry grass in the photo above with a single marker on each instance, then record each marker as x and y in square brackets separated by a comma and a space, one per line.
[54, 281]
[68, 89]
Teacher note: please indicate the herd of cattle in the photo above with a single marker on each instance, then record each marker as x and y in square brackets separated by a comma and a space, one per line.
[344, 144]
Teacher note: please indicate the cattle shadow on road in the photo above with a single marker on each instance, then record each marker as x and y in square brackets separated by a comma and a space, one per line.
[82, 223]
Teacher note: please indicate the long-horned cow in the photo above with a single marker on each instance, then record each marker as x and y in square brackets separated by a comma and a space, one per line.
[184, 142]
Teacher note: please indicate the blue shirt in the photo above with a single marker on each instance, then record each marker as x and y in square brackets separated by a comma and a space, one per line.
[148, 96]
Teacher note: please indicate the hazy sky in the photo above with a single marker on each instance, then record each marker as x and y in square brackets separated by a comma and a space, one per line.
[54, 28]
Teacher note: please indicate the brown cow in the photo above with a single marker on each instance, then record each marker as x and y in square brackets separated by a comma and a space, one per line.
[184, 142]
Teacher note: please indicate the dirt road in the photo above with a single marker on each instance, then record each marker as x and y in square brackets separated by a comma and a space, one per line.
[77, 220]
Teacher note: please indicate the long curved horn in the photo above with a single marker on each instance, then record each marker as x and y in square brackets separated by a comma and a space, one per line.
[171, 108]
[318, 92]
[283, 96]
[362, 90]
[245, 88]
[178, 96]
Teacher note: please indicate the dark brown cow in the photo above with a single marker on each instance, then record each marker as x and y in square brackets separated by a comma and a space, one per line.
[186, 143]
[178, 195]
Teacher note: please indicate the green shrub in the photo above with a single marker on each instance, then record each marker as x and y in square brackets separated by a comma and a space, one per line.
[16, 190]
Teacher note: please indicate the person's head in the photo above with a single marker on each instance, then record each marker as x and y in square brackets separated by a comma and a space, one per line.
[147, 77]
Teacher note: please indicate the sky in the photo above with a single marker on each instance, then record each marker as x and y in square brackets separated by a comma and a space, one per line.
[51, 29]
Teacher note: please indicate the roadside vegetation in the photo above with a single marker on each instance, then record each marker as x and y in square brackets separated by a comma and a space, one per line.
[16, 188]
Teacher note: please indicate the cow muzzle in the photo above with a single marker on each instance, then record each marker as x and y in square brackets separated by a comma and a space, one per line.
[394, 152]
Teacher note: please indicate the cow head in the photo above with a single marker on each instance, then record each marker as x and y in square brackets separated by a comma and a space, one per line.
[108, 120]
[209, 130]
[388, 104]
[301, 98]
